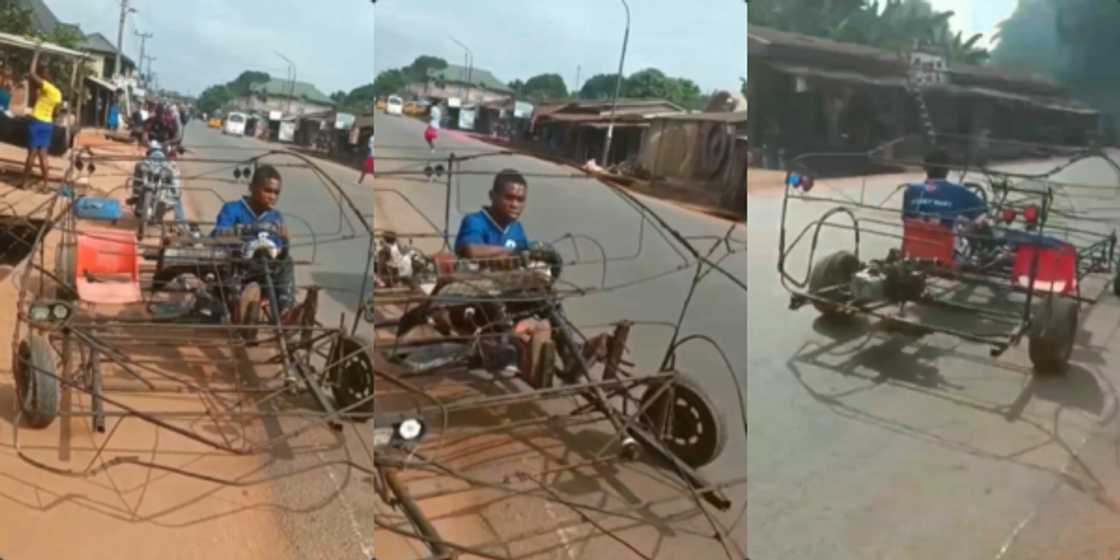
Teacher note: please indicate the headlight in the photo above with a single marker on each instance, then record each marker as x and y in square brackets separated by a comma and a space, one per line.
[410, 429]
[60, 312]
[39, 312]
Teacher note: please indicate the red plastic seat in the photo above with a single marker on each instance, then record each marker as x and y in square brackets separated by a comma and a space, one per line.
[931, 240]
[1057, 268]
[108, 266]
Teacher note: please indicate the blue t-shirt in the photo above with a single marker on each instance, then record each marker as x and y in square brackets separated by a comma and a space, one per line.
[5, 99]
[238, 212]
[938, 198]
[479, 228]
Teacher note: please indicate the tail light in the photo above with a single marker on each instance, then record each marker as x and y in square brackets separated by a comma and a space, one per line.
[1008, 215]
[804, 182]
[1030, 214]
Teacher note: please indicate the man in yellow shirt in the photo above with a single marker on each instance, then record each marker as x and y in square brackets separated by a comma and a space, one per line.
[41, 128]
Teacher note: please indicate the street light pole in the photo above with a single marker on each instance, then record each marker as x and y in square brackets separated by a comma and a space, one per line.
[470, 65]
[617, 86]
[292, 80]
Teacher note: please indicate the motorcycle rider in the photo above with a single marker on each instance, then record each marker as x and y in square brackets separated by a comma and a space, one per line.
[259, 208]
[163, 127]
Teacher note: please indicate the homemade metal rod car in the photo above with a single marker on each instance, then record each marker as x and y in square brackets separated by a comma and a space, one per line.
[112, 320]
[1036, 256]
[450, 346]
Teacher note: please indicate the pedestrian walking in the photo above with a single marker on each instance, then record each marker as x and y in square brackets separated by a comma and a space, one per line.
[113, 118]
[367, 165]
[40, 130]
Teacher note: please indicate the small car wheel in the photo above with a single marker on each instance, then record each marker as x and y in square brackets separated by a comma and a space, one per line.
[37, 386]
[1053, 334]
[696, 429]
[835, 269]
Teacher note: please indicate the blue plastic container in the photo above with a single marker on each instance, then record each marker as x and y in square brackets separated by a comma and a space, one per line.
[92, 208]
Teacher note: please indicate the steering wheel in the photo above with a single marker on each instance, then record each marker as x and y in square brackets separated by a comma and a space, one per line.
[543, 252]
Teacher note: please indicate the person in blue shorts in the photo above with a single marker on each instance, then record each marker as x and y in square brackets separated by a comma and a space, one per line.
[259, 208]
[40, 128]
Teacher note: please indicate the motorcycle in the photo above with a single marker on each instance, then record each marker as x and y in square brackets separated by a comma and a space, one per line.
[156, 187]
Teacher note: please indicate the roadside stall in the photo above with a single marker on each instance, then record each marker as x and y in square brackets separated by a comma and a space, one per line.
[14, 49]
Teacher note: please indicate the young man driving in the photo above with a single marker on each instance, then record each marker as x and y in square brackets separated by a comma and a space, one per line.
[260, 208]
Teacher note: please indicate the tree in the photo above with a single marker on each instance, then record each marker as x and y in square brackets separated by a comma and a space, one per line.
[895, 27]
[389, 82]
[545, 86]
[338, 96]
[242, 85]
[517, 86]
[1027, 41]
[418, 70]
[599, 86]
[214, 97]
[359, 100]
[653, 83]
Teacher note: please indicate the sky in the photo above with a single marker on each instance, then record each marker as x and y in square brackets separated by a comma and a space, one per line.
[702, 40]
[199, 43]
[977, 16]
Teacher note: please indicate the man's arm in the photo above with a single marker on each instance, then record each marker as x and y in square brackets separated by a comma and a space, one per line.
[469, 243]
[33, 73]
[223, 224]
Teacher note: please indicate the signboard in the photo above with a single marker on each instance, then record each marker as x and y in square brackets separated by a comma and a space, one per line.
[522, 110]
[287, 131]
[466, 119]
[343, 121]
[453, 102]
[275, 115]
[927, 69]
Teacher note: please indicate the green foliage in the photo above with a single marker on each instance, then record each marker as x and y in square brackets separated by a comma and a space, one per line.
[242, 85]
[544, 86]
[653, 83]
[599, 86]
[517, 86]
[389, 82]
[214, 97]
[895, 25]
[418, 70]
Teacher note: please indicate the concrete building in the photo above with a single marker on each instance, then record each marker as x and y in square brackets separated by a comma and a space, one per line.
[818, 95]
[471, 86]
[290, 98]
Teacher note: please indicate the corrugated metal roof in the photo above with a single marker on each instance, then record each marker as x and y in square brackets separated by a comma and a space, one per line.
[729, 117]
[295, 90]
[473, 76]
[51, 48]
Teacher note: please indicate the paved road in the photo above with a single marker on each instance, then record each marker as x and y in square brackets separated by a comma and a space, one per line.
[876, 446]
[562, 205]
[327, 510]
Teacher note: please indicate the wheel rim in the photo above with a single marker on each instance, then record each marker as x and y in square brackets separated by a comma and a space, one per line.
[693, 430]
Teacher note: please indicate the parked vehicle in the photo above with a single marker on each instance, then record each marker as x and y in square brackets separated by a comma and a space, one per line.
[395, 105]
[235, 124]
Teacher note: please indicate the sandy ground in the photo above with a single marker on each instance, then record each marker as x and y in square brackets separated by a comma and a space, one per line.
[125, 509]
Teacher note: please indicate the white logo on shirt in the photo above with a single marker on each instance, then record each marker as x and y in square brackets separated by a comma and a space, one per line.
[511, 244]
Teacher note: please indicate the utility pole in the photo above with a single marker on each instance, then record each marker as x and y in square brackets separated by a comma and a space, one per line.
[148, 74]
[576, 83]
[617, 87]
[470, 65]
[292, 80]
[125, 10]
[143, 39]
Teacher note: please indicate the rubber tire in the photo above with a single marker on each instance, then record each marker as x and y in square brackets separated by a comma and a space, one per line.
[249, 310]
[40, 407]
[1053, 334]
[834, 269]
[65, 269]
[707, 414]
[352, 380]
